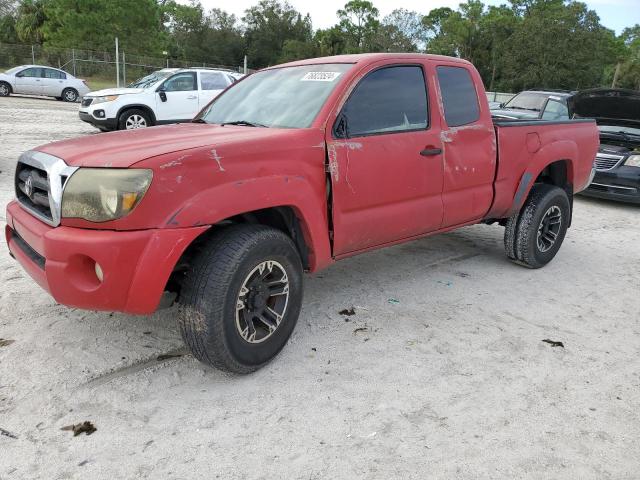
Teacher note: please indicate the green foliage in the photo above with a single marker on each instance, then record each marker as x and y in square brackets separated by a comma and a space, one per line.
[85, 23]
[269, 26]
[359, 24]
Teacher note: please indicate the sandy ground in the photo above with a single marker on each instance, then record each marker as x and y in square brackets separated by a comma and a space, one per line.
[451, 381]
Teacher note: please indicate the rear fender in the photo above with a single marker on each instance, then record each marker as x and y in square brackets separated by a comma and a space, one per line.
[562, 150]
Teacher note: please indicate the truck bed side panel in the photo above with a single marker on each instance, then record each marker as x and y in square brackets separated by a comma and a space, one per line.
[526, 148]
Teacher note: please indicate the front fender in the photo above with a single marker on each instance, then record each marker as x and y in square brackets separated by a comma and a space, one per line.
[221, 202]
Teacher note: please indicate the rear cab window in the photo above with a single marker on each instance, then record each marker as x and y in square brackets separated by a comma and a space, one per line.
[459, 97]
[391, 99]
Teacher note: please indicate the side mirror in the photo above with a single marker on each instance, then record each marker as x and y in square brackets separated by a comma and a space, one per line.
[163, 95]
[502, 105]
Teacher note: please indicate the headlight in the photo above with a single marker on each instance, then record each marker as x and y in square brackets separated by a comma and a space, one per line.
[108, 98]
[103, 194]
[633, 161]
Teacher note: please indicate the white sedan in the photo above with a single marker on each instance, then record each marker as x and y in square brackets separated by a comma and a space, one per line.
[41, 80]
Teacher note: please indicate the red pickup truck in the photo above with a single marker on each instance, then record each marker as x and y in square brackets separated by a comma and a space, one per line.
[290, 169]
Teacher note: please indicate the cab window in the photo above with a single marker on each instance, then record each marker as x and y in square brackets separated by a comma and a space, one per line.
[388, 100]
[555, 110]
[181, 82]
[213, 81]
[459, 96]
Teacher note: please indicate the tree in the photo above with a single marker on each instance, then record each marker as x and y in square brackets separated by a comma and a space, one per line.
[401, 31]
[81, 23]
[359, 23]
[269, 25]
[628, 68]
[31, 20]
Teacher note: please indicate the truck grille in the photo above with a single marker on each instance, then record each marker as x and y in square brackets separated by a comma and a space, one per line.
[32, 189]
[606, 161]
[39, 182]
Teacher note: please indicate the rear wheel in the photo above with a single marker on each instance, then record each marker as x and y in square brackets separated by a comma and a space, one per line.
[534, 235]
[70, 95]
[133, 119]
[5, 89]
[241, 300]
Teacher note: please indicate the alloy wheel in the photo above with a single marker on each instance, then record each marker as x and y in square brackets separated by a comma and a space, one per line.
[549, 228]
[135, 121]
[262, 302]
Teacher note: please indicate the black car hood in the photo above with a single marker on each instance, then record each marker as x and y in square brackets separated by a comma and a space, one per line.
[608, 106]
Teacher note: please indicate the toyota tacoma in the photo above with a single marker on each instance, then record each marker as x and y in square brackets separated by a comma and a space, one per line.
[289, 170]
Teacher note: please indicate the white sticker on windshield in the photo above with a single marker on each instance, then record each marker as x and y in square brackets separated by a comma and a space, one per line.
[320, 77]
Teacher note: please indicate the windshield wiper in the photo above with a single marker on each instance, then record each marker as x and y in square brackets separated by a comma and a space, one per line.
[244, 123]
[523, 108]
[198, 120]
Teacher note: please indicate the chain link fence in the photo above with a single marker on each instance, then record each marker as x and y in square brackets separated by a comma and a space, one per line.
[93, 64]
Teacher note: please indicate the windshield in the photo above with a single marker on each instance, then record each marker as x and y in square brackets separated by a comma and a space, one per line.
[150, 79]
[619, 129]
[288, 97]
[527, 101]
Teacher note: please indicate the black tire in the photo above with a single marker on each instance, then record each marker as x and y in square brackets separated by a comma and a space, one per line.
[70, 95]
[5, 89]
[529, 242]
[208, 314]
[132, 117]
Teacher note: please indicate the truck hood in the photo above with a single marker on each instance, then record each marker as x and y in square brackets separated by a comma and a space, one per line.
[125, 148]
[608, 106]
[114, 91]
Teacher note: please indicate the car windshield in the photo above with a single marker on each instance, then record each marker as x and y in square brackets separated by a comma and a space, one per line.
[288, 97]
[619, 129]
[12, 70]
[149, 80]
[527, 101]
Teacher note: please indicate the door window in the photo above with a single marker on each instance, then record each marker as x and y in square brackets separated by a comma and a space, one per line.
[181, 82]
[459, 96]
[212, 81]
[55, 74]
[555, 110]
[29, 73]
[388, 100]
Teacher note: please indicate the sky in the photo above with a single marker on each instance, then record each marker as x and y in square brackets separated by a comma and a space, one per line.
[614, 14]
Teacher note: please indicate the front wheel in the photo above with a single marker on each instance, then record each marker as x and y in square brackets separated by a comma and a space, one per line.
[5, 89]
[242, 297]
[133, 119]
[534, 235]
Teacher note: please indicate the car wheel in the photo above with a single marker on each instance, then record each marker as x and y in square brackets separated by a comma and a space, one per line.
[534, 235]
[242, 298]
[70, 95]
[5, 89]
[134, 119]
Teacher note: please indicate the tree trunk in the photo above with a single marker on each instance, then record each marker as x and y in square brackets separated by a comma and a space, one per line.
[615, 75]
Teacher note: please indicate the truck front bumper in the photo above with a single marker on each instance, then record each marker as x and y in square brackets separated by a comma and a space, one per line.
[134, 266]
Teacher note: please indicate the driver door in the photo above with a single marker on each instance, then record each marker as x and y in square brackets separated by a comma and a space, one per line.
[28, 81]
[385, 160]
[177, 98]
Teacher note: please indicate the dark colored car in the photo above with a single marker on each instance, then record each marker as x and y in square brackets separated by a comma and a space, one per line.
[535, 105]
[617, 112]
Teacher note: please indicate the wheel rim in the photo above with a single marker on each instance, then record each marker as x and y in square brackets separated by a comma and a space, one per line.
[70, 96]
[135, 121]
[549, 228]
[262, 302]
[4, 90]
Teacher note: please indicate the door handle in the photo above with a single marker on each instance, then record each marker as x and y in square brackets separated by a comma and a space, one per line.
[191, 97]
[429, 152]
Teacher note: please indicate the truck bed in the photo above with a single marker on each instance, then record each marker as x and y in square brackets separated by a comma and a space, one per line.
[525, 147]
